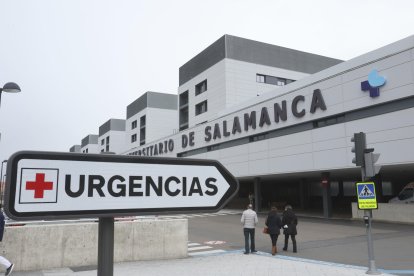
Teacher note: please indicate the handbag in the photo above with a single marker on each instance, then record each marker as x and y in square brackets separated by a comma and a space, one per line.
[265, 230]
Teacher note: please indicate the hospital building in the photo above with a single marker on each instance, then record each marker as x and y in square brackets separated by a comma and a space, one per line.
[280, 120]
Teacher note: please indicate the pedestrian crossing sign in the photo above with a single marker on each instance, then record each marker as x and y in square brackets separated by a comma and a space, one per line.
[366, 195]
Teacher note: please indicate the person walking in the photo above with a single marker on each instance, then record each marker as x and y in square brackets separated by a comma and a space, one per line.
[289, 222]
[273, 223]
[249, 221]
[3, 261]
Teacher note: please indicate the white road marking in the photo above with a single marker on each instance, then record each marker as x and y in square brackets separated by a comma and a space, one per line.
[198, 248]
[206, 252]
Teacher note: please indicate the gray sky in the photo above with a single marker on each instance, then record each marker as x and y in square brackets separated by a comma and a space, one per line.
[81, 62]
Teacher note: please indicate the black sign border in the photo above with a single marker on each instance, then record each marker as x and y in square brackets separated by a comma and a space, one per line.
[10, 190]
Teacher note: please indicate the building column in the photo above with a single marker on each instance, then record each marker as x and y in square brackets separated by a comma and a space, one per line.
[340, 188]
[378, 187]
[303, 194]
[257, 194]
[326, 195]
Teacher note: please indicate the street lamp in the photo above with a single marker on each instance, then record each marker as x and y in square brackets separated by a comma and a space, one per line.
[9, 87]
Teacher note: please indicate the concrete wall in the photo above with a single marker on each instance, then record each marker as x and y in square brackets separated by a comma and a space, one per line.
[36, 247]
[403, 213]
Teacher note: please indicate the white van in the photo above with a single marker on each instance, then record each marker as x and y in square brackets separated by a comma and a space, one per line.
[405, 196]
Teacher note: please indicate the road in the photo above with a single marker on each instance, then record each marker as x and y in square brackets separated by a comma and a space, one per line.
[339, 241]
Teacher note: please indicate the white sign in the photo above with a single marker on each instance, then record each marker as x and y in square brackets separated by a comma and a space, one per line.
[55, 185]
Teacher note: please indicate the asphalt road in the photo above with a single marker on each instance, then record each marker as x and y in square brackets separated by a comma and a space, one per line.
[339, 241]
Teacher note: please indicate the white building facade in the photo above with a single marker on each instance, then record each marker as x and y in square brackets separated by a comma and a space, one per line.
[234, 70]
[112, 136]
[281, 121]
[283, 143]
[89, 144]
[149, 117]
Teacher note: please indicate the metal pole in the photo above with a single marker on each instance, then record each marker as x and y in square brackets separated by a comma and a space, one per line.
[2, 183]
[106, 247]
[371, 268]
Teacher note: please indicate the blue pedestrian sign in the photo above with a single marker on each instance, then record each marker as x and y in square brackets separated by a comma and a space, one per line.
[366, 195]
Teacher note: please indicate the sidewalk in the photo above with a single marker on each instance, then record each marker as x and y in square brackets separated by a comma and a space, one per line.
[228, 263]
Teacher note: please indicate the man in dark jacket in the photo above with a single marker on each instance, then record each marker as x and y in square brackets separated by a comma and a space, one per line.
[289, 222]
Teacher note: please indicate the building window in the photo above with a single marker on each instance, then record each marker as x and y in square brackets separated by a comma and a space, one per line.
[183, 113]
[213, 147]
[102, 150]
[201, 108]
[142, 136]
[329, 121]
[133, 138]
[183, 117]
[183, 99]
[142, 121]
[86, 150]
[260, 78]
[272, 80]
[134, 124]
[258, 137]
[102, 141]
[107, 148]
[107, 140]
[201, 87]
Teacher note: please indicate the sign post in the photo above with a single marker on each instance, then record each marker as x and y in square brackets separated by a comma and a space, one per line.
[367, 201]
[50, 185]
[106, 246]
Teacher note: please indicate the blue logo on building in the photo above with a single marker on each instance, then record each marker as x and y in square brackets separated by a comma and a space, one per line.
[373, 83]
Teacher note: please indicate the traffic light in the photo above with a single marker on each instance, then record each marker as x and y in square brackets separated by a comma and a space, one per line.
[370, 159]
[359, 147]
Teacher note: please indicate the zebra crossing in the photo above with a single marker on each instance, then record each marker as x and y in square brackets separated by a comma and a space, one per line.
[197, 249]
[219, 213]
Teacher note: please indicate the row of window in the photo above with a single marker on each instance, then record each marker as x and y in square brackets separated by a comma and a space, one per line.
[103, 141]
[306, 126]
[106, 149]
[201, 108]
[134, 125]
[272, 80]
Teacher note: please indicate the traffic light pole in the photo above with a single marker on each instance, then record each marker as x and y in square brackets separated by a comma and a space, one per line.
[366, 160]
[372, 270]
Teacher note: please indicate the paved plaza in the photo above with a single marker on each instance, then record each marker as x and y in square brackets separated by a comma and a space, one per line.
[228, 263]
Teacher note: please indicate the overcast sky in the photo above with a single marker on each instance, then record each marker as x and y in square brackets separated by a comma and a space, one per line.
[81, 62]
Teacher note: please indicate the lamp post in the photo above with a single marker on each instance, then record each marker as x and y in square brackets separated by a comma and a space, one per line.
[1, 181]
[9, 87]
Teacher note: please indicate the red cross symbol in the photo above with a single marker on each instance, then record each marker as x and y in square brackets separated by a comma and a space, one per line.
[39, 185]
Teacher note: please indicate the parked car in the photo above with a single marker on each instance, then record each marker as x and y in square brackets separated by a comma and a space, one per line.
[405, 196]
